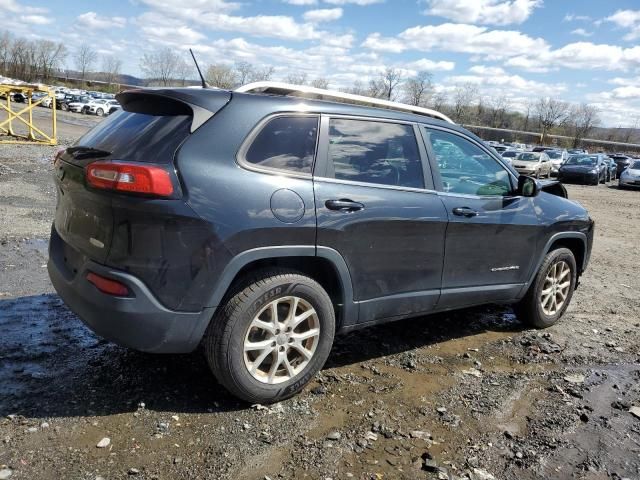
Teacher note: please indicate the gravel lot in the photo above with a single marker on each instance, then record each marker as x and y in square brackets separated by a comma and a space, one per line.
[472, 394]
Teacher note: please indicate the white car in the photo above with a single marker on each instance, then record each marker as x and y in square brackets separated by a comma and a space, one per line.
[100, 106]
[79, 105]
[630, 176]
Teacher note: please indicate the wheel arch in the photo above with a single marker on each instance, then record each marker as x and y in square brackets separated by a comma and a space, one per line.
[574, 241]
[324, 265]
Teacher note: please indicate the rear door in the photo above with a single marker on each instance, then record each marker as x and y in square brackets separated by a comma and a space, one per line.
[492, 233]
[376, 206]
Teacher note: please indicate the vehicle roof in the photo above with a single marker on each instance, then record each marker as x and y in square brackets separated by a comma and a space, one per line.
[281, 103]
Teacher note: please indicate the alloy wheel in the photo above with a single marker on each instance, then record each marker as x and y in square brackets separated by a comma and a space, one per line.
[555, 288]
[281, 340]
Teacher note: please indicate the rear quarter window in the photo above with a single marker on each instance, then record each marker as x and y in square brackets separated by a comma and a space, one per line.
[285, 143]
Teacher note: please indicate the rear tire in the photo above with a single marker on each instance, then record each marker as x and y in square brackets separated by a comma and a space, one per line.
[244, 343]
[549, 295]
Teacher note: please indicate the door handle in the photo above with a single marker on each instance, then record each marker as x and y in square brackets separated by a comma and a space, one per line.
[464, 212]
[344, 205]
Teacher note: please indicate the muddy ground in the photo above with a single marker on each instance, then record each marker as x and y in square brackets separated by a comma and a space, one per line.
[474, 394]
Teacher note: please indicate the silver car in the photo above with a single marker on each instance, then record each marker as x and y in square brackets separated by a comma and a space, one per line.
[630, 176]
[535, 164]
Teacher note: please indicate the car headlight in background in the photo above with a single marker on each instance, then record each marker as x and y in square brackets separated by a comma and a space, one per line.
[594, 170]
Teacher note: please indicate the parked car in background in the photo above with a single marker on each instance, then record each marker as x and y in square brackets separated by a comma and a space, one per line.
[622, 161]
[509, 155]
[585, 169]
[542, 148]
[612, 168]
[500, 148]
[630, 176]
[536, 164]
[99, 107]
[557, 157]
[574, 151]
[78, 103]
[199, 217]
[114, 108]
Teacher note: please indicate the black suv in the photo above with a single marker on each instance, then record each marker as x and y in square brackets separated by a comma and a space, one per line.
[262, 225]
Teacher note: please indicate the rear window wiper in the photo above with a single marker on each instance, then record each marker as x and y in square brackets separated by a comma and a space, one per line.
[80, 152]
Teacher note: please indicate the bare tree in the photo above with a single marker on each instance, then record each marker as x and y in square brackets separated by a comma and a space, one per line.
[438, 101]
[85, 58]
[375, 89]
[463, 97]
[527, 117]
[390, 80]
[184, 70]
[297, 78]
[550, 112]
[111, 66]
[160, 66]
[221, 76]
[244, 72]
[320, 82]
[262, 74]
[356, 89]
[49, 57]
[499, 107]
[418, 89]
[582, 119]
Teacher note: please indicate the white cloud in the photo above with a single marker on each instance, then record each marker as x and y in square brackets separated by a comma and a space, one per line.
[166, 31]
[496, 85]
[353, 2]
[301, 2]
[490, 12]
[322, 15]
[97, 22]
[458, 38]
[488, 71]
[570, 17]
[579, 55]
[431, 66]
[581, 32]
[628, 20]
[36, 19]
[14, 7]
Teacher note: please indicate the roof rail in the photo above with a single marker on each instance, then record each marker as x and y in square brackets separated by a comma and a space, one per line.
[280, 88]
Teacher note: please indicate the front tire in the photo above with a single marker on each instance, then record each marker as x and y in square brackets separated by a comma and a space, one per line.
[550, 293]
[271, 337]
[100, 112]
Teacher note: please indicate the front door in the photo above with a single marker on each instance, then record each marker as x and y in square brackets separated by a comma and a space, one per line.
[378, 209]
[492, 232]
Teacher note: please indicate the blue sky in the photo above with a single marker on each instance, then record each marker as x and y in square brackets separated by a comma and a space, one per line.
[574, 50]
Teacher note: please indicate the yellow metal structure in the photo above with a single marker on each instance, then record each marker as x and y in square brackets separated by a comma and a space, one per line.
[24, 115]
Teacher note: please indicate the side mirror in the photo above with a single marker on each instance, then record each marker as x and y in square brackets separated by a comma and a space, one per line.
[527, 186]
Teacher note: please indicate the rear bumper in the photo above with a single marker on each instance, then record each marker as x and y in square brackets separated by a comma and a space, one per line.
[579, 177]
[137, 321]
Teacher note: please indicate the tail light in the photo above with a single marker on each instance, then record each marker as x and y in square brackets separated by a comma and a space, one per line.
[107, 285]
[130, 177]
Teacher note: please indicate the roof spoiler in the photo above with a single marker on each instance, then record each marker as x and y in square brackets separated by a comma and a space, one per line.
[201, 104]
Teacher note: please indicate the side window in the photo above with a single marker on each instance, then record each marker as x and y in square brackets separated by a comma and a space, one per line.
[466, 168]
[285, 143]
[374, 152]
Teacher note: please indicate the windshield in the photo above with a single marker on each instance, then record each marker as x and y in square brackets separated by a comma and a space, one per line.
[554, 155]
[586, 160]
[635, 165]
[528, 157]
[509, 154]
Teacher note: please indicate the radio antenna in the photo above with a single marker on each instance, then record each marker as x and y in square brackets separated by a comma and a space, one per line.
[204, 82]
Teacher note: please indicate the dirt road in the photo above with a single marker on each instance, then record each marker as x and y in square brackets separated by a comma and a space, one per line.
[467, 395]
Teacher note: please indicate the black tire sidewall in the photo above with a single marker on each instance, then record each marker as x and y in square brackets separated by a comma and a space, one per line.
[243, 383]
[541, 319]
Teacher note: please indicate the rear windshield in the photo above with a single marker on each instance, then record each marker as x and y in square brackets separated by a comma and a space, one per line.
[635, 165]
[528, 157]
[138, 137]
[582, 160]
[510, 153]
[554, 155]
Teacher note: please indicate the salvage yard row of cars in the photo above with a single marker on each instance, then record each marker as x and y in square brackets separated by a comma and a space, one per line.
[571, 166]
[74, 100]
